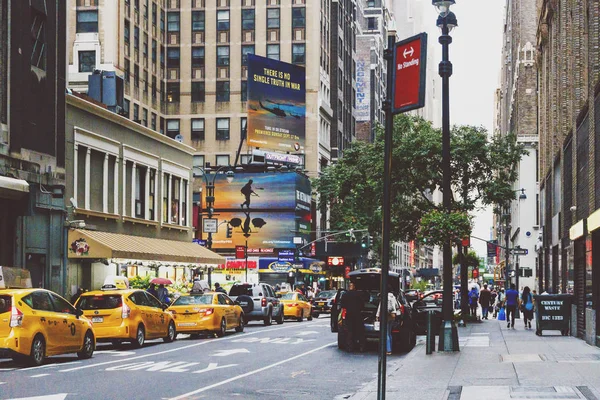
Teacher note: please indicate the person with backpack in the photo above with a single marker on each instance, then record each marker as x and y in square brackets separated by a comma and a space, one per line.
[473, 298]
[527, 306]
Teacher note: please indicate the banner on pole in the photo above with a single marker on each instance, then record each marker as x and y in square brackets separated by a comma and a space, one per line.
[410, 62]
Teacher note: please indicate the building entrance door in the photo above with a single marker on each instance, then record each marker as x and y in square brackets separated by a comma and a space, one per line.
[36, 264]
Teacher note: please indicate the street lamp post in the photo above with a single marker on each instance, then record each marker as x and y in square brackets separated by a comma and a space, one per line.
[446, 21]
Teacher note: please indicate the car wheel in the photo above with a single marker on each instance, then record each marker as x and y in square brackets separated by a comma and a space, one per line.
[140, 337]
[222, 329]
[38, 351]
[280, 317]
[240, 327]
[301, 317]
[341, 339]
[87, 350]
[309, 318]
[269, 318]
[171, 333]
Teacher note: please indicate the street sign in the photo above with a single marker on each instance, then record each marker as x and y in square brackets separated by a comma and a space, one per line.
[410, 59]
[286, 255]
[520, 252]
[201, 242]
[240, 252]
[209, 225]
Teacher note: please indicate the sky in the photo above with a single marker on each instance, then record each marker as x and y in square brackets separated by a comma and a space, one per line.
[475, 53]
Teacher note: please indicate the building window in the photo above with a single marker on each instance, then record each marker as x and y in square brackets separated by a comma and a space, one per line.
[153, 50]
[247, 49]
[126, 108]
[151, 194]
[173, 22]
[223, 20]
[273, 18]
[172, 128]
[126, 71]
[87, 61]
[38, 37]
[244, 91]
[153, 121]
[198, 163]
[136, 37]
[222, 56]
[175, 196]
[273, 51]
[87, 21]
[165, 202]
[126, 32]
[162, 22]
[245, 159]
[173, 57]
[173, 92]
[248, 19]
[153, 87]
[198, 92]
[222, 129]
[145, 117]
[371, 23]
[197, 57]
[197, 21]
[153, 13]
[197, 128]
[370, 3]
[136, 75]
[298, 53]
[222, 91]
[222, 161]
[298, 17]
[140, 192]
[136, 113]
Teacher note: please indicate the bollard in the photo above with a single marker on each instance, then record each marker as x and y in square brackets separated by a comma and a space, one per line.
[430, 344]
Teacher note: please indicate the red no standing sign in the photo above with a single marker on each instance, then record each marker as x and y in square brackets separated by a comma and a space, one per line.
[410, 57]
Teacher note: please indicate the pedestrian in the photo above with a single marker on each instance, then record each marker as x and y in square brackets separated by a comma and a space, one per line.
[76, 296]
[218, 288]
[310, 295]
[512, 299]
[473, 297]
[393, 310]
[152, 290]
[247, 191]
[527, 306]
[353, 302]
[485, 296]
[163, 294]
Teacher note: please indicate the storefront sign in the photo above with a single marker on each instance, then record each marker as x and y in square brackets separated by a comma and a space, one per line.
[335, 261]
[316, 268]
[286, 255]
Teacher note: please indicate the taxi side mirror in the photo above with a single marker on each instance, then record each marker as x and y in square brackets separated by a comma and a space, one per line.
[78, 312]
[164, 306]
[237, 303]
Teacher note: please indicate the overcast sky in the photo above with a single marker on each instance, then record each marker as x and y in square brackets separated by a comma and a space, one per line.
[475, 53]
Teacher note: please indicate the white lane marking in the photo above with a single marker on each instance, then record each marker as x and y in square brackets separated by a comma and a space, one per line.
[6, 369]
[59, 396]
[51, 365]
[267, 340]
[256, 371]
[38, 375]
[306, 333]
[225, 353]
[2, 383]
[212, 367]
[115, 353]
[176, 349]
[167, 366]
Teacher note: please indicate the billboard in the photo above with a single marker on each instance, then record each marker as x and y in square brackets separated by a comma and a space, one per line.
[276, 104]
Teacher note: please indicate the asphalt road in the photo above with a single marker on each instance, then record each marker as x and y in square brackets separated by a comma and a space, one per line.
[290, 361]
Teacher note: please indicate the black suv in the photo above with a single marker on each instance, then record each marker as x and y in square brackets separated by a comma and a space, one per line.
[368, 283]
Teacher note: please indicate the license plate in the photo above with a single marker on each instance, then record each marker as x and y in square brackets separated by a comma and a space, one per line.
[321, 304]
[187, 324]
[97, 319]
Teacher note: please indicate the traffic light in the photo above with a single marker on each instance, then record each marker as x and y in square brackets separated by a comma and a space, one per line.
[229, 231]
[365, 242]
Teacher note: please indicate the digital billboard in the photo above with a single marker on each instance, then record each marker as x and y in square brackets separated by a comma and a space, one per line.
[276, 104]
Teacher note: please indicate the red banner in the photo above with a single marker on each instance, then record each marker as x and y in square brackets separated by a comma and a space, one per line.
[410, 58]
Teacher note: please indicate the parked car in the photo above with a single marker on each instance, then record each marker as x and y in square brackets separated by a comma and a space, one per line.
[431, 301]
[38, 323]
[323, 302]
[296, 305]
[368, 283]
[206, 313]
[258, 302]
[131, 315]
[413, 294]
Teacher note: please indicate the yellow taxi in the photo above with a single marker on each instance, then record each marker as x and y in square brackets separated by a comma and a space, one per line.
[210, 312]
[131, 315]
[38, 323]
[296, 305]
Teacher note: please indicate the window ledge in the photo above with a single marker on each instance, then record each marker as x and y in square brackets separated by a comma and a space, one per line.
[140, 221]
[99, 214]
[178, 227]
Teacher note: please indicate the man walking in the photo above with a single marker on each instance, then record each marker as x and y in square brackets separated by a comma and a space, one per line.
[485, 297]
[512, 298]
[353, 302]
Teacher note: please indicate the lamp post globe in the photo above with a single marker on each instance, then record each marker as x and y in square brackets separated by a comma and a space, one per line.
[443, 6]
[450, 21]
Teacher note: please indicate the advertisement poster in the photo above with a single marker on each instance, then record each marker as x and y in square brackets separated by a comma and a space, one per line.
[363, 90]
[276, 104]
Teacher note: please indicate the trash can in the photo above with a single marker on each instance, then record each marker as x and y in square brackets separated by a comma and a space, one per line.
[553, 313]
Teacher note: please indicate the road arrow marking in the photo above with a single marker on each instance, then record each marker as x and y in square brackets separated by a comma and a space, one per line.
[115, 353]
[409, 52]
[212, 367]
[306, 333]
[60, 396]
[225, 353]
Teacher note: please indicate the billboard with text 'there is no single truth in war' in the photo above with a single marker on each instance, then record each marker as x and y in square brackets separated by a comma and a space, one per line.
[276, 104]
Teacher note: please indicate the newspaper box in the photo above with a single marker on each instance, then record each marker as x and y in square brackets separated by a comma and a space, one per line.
[553, 313]
[14, 278]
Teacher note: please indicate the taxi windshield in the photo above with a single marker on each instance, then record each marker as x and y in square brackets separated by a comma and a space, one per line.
[288, 296]
[326, 294]
[101, 302]
[191, 300]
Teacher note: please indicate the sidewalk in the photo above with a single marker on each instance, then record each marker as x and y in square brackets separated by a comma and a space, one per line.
[495, 363]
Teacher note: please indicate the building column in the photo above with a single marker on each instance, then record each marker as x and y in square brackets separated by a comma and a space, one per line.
[124, 187]
[133, 188]
[105, 185]
[169, 194]
[180, 202]
[88, 156]
[75, 168]
[156, 177]
[116, 187]
[147, 194]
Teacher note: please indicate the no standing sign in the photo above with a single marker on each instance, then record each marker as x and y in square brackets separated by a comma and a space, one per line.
[410, 58]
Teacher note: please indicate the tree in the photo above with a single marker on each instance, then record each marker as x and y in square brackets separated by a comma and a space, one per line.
[482, 170]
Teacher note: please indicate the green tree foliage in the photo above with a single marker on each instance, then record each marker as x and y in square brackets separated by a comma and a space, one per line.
[482, 171]
[471, 259]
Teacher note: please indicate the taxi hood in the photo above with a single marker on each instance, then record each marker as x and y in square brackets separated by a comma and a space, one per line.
[370, 279]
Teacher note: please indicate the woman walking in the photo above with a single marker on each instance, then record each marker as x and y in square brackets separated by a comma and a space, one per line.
[527, 306]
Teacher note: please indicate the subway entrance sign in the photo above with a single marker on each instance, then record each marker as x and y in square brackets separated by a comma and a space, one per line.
[410, 57]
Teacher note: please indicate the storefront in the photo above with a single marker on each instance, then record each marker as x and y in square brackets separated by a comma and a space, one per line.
[307, 270]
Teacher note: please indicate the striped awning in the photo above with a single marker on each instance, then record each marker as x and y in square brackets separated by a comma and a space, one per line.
[86, 244]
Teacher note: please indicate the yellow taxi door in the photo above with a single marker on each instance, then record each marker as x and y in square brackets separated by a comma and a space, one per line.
[142, 312]
[303, 303]
[46, 319]
[70, 328]
[159, 318]
[232, 311]
[224, 310]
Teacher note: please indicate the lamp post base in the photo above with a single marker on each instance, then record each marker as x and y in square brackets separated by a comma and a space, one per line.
[448, 337]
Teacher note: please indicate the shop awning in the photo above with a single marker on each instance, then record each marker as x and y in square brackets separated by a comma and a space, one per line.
[87, 244]
[11, 188]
